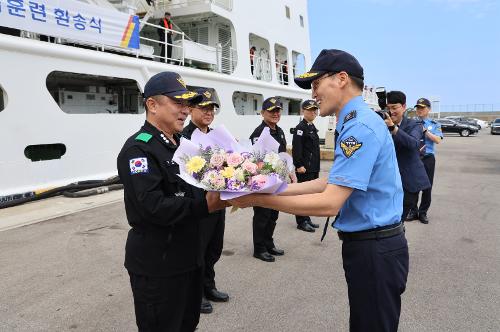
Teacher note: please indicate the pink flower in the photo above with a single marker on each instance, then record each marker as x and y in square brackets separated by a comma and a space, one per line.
[249, 167]
[234, 159]
[217, 160]
[259, 180]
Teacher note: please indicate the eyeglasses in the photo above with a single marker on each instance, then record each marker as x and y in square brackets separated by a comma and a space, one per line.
[315, 83]
[207, 110]
[394, 107]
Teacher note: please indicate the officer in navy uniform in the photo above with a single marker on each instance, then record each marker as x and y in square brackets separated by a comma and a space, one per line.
[363, 190]
[212, 228]
[264, 220]
[162, 253]
[432, 135]
[407, 135]
[306, 154]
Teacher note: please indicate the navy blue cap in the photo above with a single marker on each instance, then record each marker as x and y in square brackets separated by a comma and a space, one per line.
[330, 61]
[271, 104]
[170, 84]
[423, 102]
[309, 104]
[208, 97]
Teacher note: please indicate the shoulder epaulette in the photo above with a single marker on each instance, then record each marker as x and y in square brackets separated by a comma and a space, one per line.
[350, 116]
[145, 137]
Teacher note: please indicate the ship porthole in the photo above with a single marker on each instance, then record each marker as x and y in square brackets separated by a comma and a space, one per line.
[41, 152]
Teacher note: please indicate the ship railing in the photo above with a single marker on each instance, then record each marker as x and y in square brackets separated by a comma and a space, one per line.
[177, 46]
[282, 72]
[174, 4]
[261, 68]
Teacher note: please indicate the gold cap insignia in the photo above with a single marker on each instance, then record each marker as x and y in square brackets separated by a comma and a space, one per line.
[272, 100]
[187, 95]
[307, 75]
[207, 94]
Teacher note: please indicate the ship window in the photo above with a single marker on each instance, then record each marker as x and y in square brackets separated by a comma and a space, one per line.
[42, 152]
[287, 11]
[301, 20]
[3, 98]
[260, 58]
[290, 106]
[299, 63]
[281, 64]
[246, 103]
[77, 93]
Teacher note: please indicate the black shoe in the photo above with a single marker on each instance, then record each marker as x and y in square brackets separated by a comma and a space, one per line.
[304, 226]
[423, 218]
[276, 251]
[216, 296]
[312, 224]
[206, 306]
[412, 215]
[264, 256]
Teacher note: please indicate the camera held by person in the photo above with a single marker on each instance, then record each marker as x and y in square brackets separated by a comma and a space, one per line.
[382, 102]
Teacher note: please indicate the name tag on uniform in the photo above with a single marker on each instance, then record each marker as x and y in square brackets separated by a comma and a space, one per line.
[300, 132]
[180, 194]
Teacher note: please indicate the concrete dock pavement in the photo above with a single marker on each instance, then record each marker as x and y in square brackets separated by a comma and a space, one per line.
[66, 273]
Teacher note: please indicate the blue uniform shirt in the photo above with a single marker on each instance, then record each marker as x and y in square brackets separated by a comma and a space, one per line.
[434, 128]
[365, 160]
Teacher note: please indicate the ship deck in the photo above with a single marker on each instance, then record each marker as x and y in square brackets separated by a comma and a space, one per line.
[66, 273]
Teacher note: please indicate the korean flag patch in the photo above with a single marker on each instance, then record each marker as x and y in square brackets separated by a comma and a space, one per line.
[349, 146]
[300, 132]
[138, 165]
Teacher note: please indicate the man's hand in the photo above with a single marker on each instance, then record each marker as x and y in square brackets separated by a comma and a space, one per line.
[388, 121]
[214, 202]
[301, 170]
[243, 201]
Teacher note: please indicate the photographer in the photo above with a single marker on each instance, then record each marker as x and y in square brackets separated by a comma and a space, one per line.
[407, 135]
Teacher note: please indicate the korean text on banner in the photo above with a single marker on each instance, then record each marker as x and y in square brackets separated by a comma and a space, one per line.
[73, 20]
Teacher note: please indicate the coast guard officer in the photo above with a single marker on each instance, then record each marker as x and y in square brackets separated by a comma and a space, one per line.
[306, 154]
[212, 228]
[364, 191]
[432, 135]
[264, 220]
[162, 254]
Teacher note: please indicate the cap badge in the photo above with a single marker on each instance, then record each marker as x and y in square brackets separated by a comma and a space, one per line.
[207, 94]
[272, 100]
[181, 81]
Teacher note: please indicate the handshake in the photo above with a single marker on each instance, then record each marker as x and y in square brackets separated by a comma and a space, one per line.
[215, 203]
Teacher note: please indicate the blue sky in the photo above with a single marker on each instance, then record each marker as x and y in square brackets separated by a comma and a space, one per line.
[444, 48]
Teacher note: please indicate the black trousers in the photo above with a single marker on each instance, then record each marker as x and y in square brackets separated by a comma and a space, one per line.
[264, 223]
[169, 50]
[212, 242]
[303, 177]
[376, 272]
[409, 202]
[167, 304]
[425, 202]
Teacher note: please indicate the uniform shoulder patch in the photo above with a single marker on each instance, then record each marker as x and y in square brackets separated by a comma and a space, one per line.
[300, 132]
[350, 116]
[145, 137]
[349, 146]
[138, 165]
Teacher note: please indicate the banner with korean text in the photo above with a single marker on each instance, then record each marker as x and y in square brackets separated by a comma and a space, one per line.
[73, 20]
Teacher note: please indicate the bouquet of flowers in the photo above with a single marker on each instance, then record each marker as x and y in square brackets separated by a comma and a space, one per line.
[217, 162]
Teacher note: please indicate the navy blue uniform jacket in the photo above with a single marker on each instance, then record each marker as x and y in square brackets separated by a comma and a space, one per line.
[407, 144]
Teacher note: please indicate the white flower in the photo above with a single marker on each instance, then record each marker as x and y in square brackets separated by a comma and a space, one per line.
[273, 159]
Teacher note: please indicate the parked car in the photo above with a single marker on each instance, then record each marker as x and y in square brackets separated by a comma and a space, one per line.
[452, 126]
[463, 119]
[495, 126]
[482, 123]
